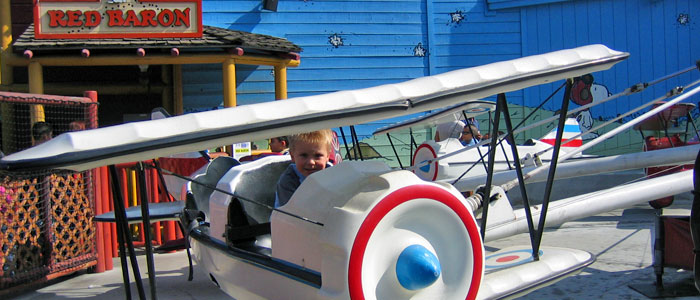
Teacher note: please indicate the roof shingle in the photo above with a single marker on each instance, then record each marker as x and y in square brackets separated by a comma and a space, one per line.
[212, 37]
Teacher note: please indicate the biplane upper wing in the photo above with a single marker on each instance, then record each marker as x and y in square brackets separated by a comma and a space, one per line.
[192, 132]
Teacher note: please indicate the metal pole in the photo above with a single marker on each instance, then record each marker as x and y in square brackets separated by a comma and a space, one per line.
[146, 221]
[345, 142]
[124, 237]
[356, 141]
[518, 169]
[553, 165]
[489, 174]
[394, 148]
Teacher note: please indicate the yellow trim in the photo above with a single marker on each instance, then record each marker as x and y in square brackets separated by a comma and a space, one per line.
[132, 190]
[229, 74]
[6, 77]
[36, 86]
[280, 82]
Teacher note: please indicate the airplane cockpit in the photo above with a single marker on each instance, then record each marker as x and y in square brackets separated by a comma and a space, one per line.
[247, 204]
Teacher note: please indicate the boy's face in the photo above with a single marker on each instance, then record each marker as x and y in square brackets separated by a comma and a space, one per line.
[276, 145]
[309, 157]
[467, 135]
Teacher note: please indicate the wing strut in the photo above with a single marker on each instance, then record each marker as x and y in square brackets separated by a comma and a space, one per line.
[478, 149]
[500, 139]
[412, 142]
[124, 238]
[345, 142]
[356, 142]
[489, 174]
[502, 107]
[394, 148]
[553, 166]
[501, 101]
[161, 179]
[147, 230]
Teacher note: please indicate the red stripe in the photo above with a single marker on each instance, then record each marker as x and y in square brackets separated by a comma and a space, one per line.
[395, 199]
[565, 143]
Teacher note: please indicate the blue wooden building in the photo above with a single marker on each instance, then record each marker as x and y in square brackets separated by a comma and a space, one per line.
[351, 44]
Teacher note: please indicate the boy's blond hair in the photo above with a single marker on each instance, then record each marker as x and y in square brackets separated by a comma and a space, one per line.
[324, 136]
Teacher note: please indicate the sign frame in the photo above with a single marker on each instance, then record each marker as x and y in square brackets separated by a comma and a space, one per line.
[39, 33]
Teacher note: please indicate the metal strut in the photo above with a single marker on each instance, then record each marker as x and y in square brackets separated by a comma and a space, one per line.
[190, 276]
[489, 174]
[123, 237]
[501, 100]
[394, 148]
[356, 143]
[478, 149]
[146, 221]
[345, 142]
[553, 165]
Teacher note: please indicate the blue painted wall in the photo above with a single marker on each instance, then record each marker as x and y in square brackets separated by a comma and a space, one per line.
[347, 45]
[661, 37]
[351, 44]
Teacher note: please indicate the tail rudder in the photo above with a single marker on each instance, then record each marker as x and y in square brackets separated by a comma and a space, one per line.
[571, 129]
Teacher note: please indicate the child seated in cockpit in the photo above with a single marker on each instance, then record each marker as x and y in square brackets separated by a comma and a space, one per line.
[310, 153]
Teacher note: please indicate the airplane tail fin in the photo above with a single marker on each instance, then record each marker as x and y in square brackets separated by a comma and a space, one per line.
[571, 129]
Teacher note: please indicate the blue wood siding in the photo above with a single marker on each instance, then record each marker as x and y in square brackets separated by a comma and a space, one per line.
[661, 37]
[346, 45]
[350, 44]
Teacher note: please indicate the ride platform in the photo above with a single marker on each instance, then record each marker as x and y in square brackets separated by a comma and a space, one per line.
[620, 239]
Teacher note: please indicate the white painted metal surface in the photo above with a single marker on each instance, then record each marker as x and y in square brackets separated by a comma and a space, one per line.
[192, 132]
[554, 264]
[597, 202]
[242, 279]
[592, 166]
[454, 166]
[341, 198]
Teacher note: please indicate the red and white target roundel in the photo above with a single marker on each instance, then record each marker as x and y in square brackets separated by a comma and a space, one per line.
[424, 153]
[477, 110]
[509, 258]
[378, 233]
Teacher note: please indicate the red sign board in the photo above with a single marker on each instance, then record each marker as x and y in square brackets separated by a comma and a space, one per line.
[95, 19]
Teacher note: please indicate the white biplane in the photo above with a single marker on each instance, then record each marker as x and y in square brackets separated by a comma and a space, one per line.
[359, 230]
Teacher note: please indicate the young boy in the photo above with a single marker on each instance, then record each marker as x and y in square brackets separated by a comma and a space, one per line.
[310, 153]
[279, 144]
[470, 135]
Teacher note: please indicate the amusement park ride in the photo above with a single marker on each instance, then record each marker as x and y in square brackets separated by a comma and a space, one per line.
[361, 230]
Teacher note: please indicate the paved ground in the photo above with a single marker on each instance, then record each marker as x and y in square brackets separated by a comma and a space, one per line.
[620, 239]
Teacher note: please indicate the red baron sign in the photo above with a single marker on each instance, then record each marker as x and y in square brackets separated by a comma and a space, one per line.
[95, 19]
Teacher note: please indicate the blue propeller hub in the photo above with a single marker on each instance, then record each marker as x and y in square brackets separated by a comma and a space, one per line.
[417, 268]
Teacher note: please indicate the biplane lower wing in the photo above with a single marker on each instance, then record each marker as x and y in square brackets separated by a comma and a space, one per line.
[512, 271]
[192, 132]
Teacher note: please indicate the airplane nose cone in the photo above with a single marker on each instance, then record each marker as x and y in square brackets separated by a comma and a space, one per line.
[417, 268]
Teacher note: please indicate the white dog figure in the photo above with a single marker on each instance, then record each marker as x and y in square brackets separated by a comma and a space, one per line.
[584, 118]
